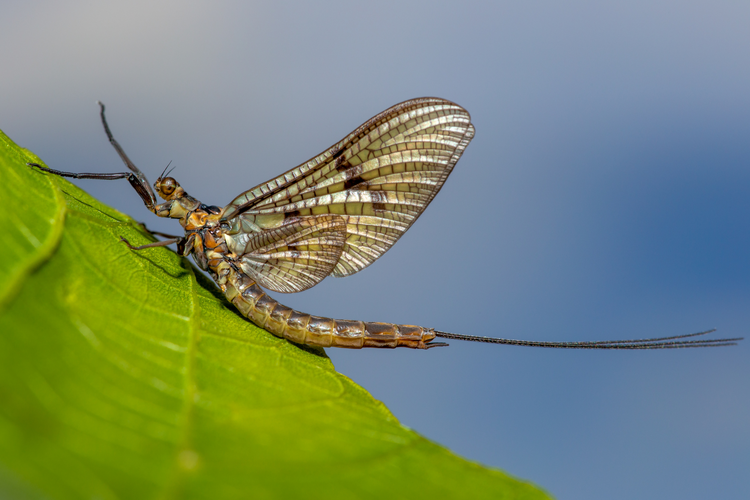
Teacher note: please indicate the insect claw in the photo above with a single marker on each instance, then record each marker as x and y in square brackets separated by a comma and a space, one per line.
[127, 243]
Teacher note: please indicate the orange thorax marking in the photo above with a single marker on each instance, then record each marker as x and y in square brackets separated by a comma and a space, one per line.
[196, 220]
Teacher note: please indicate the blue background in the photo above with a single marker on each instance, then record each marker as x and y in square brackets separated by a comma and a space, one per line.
[604, 196]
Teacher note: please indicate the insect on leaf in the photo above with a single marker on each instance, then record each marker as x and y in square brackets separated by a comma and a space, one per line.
[125, 375]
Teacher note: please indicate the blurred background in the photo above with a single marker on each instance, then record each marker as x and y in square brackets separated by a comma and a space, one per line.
[604, 196]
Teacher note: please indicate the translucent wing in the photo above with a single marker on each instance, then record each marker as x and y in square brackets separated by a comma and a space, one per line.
[379, 179]
[295, 256]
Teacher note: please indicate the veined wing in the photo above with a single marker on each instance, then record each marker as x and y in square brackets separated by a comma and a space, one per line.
[295, 256]
[379, 179]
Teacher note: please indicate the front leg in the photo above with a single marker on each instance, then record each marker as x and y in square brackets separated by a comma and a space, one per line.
[135, 177]
[139, 184]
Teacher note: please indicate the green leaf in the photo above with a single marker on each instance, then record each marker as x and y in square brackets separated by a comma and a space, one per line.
[126, 375]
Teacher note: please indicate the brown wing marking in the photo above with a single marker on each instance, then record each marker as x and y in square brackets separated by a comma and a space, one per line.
[379, 179]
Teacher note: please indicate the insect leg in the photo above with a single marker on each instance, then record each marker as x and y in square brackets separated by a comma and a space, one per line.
[138, 181]
[141, 188]
[158, 233]
[135, 176]
[74, 175]
[152, 245]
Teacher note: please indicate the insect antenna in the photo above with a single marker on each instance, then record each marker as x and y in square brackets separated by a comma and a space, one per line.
[674, 342]
[164, 172]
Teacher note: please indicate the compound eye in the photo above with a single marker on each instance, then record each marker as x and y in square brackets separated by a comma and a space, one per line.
[167, 186]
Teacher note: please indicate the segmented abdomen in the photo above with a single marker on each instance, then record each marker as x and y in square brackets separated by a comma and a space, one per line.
[303, 328]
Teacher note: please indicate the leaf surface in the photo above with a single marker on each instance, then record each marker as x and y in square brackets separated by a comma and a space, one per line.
[126, 375]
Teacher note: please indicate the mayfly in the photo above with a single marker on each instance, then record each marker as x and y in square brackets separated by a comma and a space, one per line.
[332, 215]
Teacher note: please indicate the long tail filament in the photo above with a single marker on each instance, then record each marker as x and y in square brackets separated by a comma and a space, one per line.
[674, 342]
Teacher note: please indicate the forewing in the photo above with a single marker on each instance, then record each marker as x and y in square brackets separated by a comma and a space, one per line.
[295, 256]
[379, 178]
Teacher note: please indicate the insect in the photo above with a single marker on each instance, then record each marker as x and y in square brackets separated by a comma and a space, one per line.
[332, 215]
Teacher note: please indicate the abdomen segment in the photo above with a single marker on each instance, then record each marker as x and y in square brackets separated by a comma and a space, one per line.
[303, 328]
